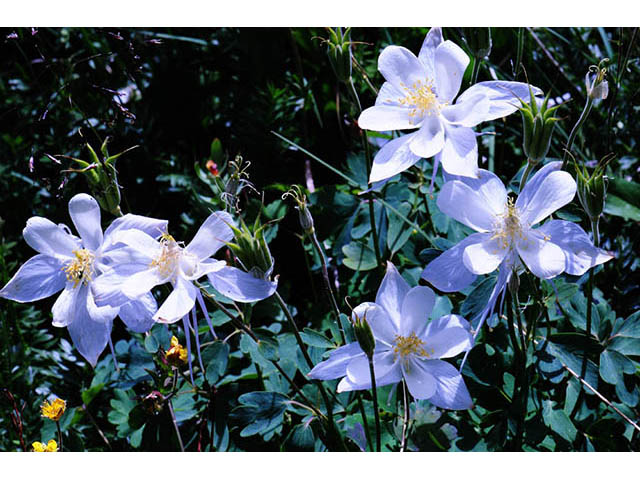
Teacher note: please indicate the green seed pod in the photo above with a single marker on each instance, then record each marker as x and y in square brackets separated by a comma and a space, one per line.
[364, 335]
[592, 188]
[304, 215]
[251, 249]
[538, 124]
[339, 52]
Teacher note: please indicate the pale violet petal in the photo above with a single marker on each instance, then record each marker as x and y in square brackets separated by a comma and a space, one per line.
[212, 235]
[554, 192]
[420, 381]
[65, 307]
[400, 67]
[138, 314]
[484, 257]
[451, 392]
[429, 140]
[40, 277]
[358, 368]
[382, 327]
[98, 314]
[139, 241]
[542, 257]
[459, 156]
[141, 282]
[90, 337]
[447, 272]
[438, 325]
[46, 237]
[416, 308]
[470, 206]
[391, 294]
[179, 302]
[450, 64]
[447, 340]
[389, 95]
[241, 286]
[394, 375]
[107, 287]
[468, 113]
[393, 158]
[488, 186]
[428, 50]
[336, 365]
[579, 251]
[532, 186]
[204, 267]
[85, 213]
[503, 96]
[153, 227]
[381, 118]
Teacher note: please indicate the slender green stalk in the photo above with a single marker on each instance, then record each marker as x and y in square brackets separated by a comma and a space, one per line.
[476, 69]
[365, 423]
[525, 174]
[59, 435]
[175, 425]
[519, 380]
[374, 392]
[574, 131]
[407, 413]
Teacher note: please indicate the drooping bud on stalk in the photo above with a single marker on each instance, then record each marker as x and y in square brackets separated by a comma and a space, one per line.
[238, 179]
[478, 40]
[364, 335]
[304, 215]
[597, 86]
[251, 249]
[592, 188]
[538, 123]
[339, 52]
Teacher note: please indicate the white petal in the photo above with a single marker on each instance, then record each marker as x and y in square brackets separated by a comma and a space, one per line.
[475, 207]
[65, 307]
[485, 257]
[85, 213]
[138, 314]
[451, 392]
[544, 258]
[358, 368]
[459, 155]
[428, 50]
[90, 337]
[212, 235]
[400, 67]
[336, 365]
[554, 192]
[140, 283]
[503, 96]
[205, 267]
[241, 286]
[394, 375]
[98, 314]
[468, 113]
[532, 186]
[382, 326]
[416, 308]
[389, 95]
[107, 287]
[386, 117]
[46, 237]
[393, 158]
[429, 140]
[580, 253]
[179, 302]
[489, 187]
[151, 226]
[391, 294]
[139, 241]
[450, 64]
[420, 382]
[438, 325]
[41, 276]
[447, 272]
[447, 340]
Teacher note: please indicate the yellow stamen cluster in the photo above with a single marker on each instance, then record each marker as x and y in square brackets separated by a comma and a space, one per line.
[54, 410]
[177, 354]
[508, 227]
[405, 346]
[80, 269]
[421, 98]
[167, 261]
[51, 446]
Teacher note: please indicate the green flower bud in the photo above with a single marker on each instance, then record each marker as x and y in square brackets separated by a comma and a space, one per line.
[364, 335]
[597, 86]
[251, 249]
[478, 40]
[339, 52]
[538, 123]
[304, 215]
[592, 188]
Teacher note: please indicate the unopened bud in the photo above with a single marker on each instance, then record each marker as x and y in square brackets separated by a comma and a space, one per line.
[478, 40]
[597, 86]
[251, 249]
[364, 335]
[304, 215]
[538, 123]
[339, 52]
[592, 188]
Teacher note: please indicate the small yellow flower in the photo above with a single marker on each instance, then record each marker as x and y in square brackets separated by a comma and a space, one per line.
[51, 446]
[177, 354]
[53, 410]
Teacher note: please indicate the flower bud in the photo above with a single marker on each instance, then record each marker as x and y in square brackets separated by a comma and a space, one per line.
[304, 215]
[53, 410]
[339, 52]
[251, 249]
[597, 86]
[592, 189]
[177, 355]
[364, 335]
[478, 40]
[538, 123]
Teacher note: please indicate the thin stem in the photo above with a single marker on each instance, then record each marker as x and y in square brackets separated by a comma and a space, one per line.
[327, 283]
[296, 332]
[175, 425]
[574, 131]
[375, 402]
[407, 413]
[365, 423]
[525, 174]
[59, 435]
[518, 354]
[476, 70]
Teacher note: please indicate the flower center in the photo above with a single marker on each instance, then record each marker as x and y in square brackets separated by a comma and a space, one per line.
[169, 257]
[422, 100]
[81, 268]
[507, 226]
[411, 345]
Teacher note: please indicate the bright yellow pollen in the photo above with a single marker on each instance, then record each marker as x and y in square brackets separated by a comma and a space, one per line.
[406, 346]
[421, 97]
[54, 410]
[51, 446]
[80, 269]
[177, 354]
[508, 226]
[167, 261]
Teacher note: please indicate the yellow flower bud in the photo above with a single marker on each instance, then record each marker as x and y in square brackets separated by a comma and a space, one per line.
[177, 354]
[54, 410]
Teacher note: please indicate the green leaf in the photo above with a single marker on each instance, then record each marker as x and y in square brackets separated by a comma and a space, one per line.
[215, 358]
[398, 233]
[151, 344]
[629, 191]
[609, 368]
[477, 299]
[315, 339]
[359, 256]
[620, 208]
[558, 421]
[90, 393]
[262, 412]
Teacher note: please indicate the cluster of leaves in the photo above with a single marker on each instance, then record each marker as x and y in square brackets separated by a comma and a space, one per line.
[171, 92]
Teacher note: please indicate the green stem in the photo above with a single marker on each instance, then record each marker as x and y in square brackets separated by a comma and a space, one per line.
[476, 69]
[365, 423]
[175, 425]
[375, 402]
[519, 380]
[407, 413]
[59, 435]
[574, 131]
[525, 174]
